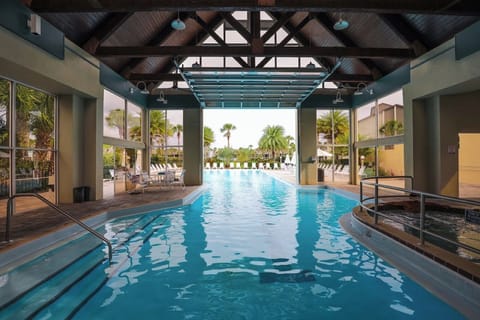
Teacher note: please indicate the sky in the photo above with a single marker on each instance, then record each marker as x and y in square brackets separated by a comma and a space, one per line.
[249, 124]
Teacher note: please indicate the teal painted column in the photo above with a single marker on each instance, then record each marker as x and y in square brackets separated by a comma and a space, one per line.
[193, 146]
[307, 146]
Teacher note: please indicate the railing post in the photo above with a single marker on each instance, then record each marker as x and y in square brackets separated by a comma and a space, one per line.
[375, 215]
[361, 195]
[422, 217]
[8, 219]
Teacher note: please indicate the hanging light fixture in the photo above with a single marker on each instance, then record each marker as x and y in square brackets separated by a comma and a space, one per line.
[178, 24]
[310, 65]
[341, 24]
[161, 98]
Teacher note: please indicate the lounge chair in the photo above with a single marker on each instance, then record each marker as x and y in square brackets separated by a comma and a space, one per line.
[207, 165]
[245, 165]
[214, 165]
[260, 165]
[237, 166]
[275, 166]
[254, 165]
[222, 165]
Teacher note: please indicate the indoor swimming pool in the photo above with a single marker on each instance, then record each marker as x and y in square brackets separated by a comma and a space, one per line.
[250, 247]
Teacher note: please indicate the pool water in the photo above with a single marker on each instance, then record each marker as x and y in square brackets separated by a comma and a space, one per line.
[253, 247]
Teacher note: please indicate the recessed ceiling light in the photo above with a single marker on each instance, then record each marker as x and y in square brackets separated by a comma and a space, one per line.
[341, 24]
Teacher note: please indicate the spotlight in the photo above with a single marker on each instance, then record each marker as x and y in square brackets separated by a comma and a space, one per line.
[196, 65]
[310, 65]
[142, 86]
[338, 98]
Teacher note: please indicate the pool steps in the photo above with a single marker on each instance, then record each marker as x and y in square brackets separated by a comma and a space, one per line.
[72, 272]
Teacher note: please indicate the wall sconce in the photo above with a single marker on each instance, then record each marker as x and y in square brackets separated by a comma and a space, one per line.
[161, 98]
[34, 23]
[338, 98]
[361, 88]
[131, 90]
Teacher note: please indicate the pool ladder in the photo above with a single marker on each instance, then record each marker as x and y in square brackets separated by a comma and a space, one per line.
[59, 210]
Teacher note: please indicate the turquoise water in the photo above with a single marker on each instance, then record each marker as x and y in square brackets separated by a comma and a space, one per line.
[252, 247]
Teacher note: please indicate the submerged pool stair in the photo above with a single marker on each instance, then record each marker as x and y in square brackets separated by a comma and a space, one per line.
[60, 281]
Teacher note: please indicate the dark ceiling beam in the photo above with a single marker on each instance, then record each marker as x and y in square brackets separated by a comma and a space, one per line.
[327, 24]
[400, 26]
[148, 77]
[237, 26]
[303, 41]
[442, 7]
[217, 38]
[105, 30]
[256, 41]
[158, 39]
[276, 26]
[248, 51]
[292, 33]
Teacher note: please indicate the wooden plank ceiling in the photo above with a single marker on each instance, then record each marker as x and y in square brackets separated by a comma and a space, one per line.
[135, 38]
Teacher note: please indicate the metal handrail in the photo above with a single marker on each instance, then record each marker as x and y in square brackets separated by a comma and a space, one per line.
[58, 209]
[423, 197]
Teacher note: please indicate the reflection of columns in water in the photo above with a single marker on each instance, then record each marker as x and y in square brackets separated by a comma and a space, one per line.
[194, 240]
[307, 231]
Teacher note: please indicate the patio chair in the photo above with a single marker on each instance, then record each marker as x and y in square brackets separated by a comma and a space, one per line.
[232, 165]
[207, 165]
[222, 165]
[245, 165]
[214, 165]
[254, 165]
[275, 166]
[178, 180]
[237, 166]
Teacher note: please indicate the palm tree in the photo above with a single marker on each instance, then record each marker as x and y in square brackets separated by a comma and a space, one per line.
[391, 128]
[227, 128]
[273, 139]
[208, 137]
[160, 128]
[337, 126]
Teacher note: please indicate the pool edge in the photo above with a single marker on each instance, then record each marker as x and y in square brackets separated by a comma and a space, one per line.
[434, 277]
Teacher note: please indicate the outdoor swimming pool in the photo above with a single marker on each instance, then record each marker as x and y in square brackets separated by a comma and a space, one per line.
[251, 247]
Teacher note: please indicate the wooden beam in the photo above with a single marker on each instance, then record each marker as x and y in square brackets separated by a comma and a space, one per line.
[105, 30]
[276, 26]
[437, 7]
[217, 38]
[237, 26]
[400, 26]
[247, 51]
[292, 33]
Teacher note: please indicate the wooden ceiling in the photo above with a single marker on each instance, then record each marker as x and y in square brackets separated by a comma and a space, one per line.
[134, 37]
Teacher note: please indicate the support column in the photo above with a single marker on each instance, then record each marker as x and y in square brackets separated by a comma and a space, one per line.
[307, 146]
[193, 146]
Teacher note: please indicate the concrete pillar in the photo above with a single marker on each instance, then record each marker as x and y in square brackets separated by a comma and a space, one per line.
[193, 146]
[307, 146]
[93, 147]
[70, 144]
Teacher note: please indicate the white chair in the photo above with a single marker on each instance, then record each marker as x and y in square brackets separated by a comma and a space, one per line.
[232, 165]
[260, 165]
[275, 166]
[237, 165]
[245, 165]
[222, 165]
[207, 165]
[254, 165]
[214, 165]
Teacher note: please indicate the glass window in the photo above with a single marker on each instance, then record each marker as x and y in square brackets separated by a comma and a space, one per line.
[4, 111]
[390, 115]
[134, 122]
[34, 118]
[366, 122]
[166, 138]
[333, 127]
[113, 115]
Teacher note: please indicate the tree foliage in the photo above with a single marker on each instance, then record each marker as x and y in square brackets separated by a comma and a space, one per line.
[338, 125]
[273, 140]
[227, 128]
[208, 137]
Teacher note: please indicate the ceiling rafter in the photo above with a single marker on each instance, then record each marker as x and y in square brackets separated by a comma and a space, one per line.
[217, 38]
[276, 26]
[237, 26]
[105, 30]
[157, 39]
[443, 7]
[327, 23]
[256, 41]
[248, 51]
[303, 41]
[400, 26]
[291, 34]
